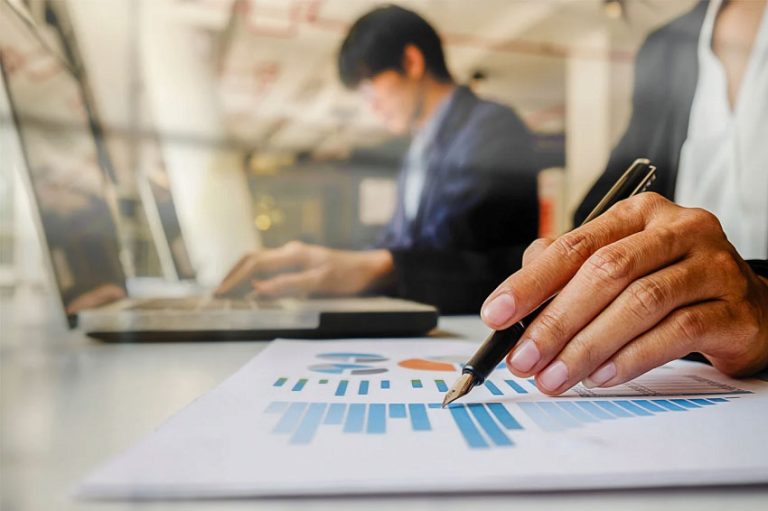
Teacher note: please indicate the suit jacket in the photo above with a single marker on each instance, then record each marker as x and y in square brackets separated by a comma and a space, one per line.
[666, 75]
[478, 209]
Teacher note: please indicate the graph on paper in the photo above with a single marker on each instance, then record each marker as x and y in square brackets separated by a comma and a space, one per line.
[364, 416]
[509, 406]
[481, 425]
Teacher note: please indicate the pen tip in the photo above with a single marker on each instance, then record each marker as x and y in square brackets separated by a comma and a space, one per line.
[462, 386]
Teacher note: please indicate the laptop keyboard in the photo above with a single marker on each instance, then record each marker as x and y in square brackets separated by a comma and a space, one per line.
[204, 303]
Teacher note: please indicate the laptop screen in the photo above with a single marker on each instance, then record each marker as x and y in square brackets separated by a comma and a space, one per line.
[74, 200]
[161, 211]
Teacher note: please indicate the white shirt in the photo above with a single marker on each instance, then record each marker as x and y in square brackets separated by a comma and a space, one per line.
[724, 160]
[417, 158]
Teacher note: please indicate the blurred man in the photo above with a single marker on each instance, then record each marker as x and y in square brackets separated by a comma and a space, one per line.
[466, 204]
[651, 281]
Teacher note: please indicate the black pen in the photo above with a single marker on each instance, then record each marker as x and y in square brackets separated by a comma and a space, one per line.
[637, 178]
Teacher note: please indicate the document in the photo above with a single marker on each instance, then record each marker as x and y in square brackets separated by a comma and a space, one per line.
[363, 416]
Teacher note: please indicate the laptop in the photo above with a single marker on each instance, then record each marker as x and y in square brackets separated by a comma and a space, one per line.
[66, 175]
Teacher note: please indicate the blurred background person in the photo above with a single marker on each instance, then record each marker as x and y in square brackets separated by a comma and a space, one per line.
[466, 198]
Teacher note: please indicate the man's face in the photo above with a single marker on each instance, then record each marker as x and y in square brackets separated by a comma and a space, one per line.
[392, 97]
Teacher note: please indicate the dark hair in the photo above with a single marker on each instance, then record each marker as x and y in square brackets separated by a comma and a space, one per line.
[377, 40]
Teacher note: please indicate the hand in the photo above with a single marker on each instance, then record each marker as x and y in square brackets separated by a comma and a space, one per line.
[102, 295]
[297, 269]
[645, 283]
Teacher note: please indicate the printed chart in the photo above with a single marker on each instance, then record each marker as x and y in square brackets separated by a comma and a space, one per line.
[306, 417]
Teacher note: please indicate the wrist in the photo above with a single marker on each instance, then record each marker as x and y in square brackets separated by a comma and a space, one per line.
[380, 267]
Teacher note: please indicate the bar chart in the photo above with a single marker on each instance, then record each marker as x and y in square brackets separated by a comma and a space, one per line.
[561, 415]
[681, 385]
[481, 425]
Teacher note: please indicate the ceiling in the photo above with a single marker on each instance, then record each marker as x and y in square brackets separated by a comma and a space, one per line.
[279, 90]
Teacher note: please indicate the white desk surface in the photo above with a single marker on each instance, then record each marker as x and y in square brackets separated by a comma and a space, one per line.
[68, 404]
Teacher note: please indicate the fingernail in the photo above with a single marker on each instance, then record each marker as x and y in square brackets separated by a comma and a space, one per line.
[525, 356]
[499, 310]
[604, 374]
[553, 377]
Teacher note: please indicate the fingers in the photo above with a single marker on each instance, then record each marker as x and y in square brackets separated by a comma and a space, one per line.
[299, 284]
[596, 284]
[535, 249]
[287, 257]
[685, 330]
[235, 277]
[556, 265]
[236, 268]
[643, 304]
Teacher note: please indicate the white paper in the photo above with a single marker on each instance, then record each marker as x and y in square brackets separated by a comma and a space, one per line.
[240, 440]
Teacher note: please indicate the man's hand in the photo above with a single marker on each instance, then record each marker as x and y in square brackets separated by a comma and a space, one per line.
[297, 269]
[645, 283]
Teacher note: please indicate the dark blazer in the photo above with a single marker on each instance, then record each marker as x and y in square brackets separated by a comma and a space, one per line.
[666, 75]
[477, 213]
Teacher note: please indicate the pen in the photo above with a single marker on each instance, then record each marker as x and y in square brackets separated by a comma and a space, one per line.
[637, 178]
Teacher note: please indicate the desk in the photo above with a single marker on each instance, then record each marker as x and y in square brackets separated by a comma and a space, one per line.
[69, 403]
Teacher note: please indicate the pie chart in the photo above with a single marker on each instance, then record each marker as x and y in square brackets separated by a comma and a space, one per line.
[349, 363]
[359, 358]
[450, 363]
[446, 364]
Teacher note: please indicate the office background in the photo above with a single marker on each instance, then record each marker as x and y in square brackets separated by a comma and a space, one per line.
[235, 107]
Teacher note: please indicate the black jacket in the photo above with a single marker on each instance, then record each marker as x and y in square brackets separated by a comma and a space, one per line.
[666, 75]
[477, 213]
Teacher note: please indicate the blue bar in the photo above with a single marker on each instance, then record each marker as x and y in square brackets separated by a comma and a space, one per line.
[493, 388]
[516, 386]
[436, 406]
[577, 412]
[544, 421]
[355, 419]
[299, 385]
[594, 410]
[363, 389]
[486, 422]
[377, 419]
[309, 425]
[613, 409]
[669, 406]
[633, 408]
[280, 382]
[684, 403]
[419, 419]
[467, 428]
[558, 414]
[335, 414]
[503, 416]
[342, 388]
[441, 385]
[276, 407]
[290, 418]
[702, 402]
[397, 411]
[532, 381]
[384, 384]
[717, 400]
[416, 384]
[648, 405]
